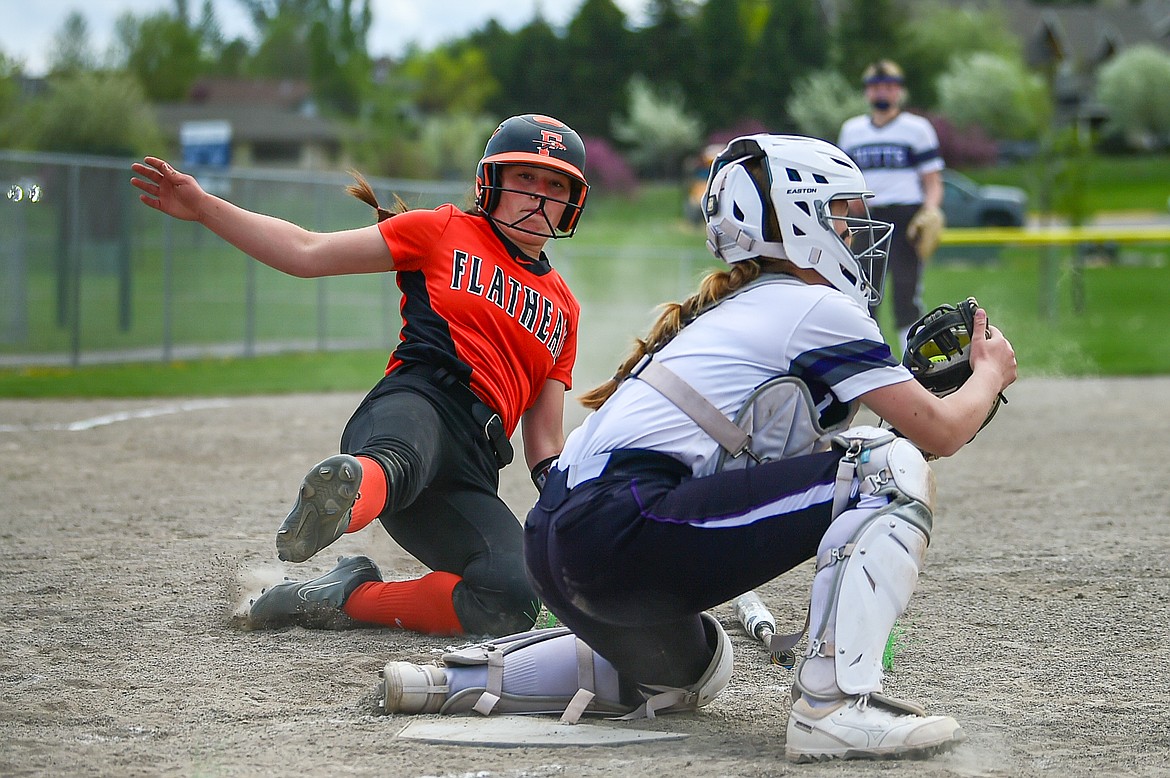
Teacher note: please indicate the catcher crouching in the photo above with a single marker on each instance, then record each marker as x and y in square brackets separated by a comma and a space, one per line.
[723, 454]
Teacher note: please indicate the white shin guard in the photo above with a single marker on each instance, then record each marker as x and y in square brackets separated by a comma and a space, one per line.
[542, 671]
[552, 671]
[867, 567]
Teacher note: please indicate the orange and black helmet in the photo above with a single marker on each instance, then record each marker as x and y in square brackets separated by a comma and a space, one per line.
[541, 141]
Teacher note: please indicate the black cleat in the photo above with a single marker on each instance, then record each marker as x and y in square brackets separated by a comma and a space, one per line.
[322, 511]
[317, 603]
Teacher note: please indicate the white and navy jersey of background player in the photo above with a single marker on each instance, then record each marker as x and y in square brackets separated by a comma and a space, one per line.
[893, 157]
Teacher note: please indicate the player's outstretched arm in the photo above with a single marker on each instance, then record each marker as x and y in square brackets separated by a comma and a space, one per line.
[275, 242]
[942, 425]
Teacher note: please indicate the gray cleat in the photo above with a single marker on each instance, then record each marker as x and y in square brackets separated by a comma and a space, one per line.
[322, 510]
[316, 603]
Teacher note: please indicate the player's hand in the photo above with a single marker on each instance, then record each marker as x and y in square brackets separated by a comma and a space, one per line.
[990, 350]
[166, 189]
[925, 231]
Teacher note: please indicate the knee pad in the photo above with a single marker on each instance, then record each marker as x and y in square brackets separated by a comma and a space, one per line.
[884, 464]
[873, 590]
[664, 699]
[861, 587]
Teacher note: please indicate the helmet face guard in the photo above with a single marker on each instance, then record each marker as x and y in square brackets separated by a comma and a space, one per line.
[772, 196]
[868, 240]
[539, 141]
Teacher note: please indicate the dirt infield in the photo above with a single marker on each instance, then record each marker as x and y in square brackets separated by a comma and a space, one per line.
[1040, 622]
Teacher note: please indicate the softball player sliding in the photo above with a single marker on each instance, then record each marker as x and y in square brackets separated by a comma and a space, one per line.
[643, 524]
[488, 342]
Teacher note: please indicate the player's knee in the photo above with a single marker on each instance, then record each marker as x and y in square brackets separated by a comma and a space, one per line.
[497, 604]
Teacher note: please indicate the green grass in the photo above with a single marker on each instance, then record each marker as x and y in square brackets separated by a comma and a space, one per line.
[314, 372]
[630, 254]
[1128, 183]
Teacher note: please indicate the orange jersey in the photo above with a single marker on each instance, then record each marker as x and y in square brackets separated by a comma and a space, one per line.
[476, 305]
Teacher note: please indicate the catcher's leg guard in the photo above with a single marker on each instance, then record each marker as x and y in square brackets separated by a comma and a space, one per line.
[867, 568]
[867, 565]
[543, 671]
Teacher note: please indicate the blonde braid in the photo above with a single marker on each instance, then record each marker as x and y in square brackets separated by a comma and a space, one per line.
[364, 192]
[714, 287]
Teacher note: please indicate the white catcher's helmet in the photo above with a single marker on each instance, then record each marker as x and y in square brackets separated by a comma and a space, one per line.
[768, 196]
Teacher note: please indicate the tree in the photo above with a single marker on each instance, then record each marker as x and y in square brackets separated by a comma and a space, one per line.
[71, 51]
[163, 52]
[450, 80]
[219, 56]
[867, 30]
[321, 40]
[1132, 88]
[940, 33]
[453, 143]
[821, 101]
[598, 46]
[91, 113]
[666, 46]
[657, 130]
[9, 94]
[526, 66]
[723, 59]
[792, 43]
[996, 93]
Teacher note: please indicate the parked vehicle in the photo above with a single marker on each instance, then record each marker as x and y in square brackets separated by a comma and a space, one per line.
[968, 204]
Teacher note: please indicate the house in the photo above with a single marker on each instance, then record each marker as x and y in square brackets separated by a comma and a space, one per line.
[1070, 42]
[273, 122]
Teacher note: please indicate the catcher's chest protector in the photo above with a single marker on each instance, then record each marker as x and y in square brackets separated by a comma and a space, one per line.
[778, 420]
[783, 422]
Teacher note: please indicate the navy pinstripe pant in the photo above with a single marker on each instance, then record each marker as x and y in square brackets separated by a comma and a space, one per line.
[629, 559]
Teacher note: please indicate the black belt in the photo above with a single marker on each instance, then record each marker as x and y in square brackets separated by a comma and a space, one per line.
[489, 422]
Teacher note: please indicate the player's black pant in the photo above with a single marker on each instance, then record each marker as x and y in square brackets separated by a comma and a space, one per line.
[443, 504]
[904, 271]
[629, 559]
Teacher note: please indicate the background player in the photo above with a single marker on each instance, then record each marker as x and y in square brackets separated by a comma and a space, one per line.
[488, 342]
[898, 153]
[636, 532]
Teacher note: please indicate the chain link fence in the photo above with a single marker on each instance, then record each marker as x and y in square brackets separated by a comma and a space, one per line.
[90, 275]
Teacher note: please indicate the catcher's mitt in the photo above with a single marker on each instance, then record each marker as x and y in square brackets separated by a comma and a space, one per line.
[938, 350]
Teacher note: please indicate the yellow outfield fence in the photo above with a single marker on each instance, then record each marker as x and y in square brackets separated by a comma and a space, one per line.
[1053, 236]
[1083, 240]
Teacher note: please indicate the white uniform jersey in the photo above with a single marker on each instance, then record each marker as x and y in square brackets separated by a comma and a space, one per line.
[893, 157]
[812, 332]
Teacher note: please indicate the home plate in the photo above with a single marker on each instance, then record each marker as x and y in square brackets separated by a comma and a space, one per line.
[512, 731]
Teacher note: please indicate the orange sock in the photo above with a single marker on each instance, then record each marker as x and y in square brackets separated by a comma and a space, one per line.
[422, 605]
[371, 495]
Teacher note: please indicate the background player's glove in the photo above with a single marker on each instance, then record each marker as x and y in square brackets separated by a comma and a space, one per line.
[925, 230]
[938, 350]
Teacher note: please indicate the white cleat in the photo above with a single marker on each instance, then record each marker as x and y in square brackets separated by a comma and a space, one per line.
[867, 727]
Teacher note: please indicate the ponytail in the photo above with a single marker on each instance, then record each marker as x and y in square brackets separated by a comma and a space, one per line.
[364, 192]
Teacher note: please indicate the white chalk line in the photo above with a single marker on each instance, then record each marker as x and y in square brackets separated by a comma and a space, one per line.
[114, 418]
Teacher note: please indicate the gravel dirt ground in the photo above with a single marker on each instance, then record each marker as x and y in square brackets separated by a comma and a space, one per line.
[135, 528]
